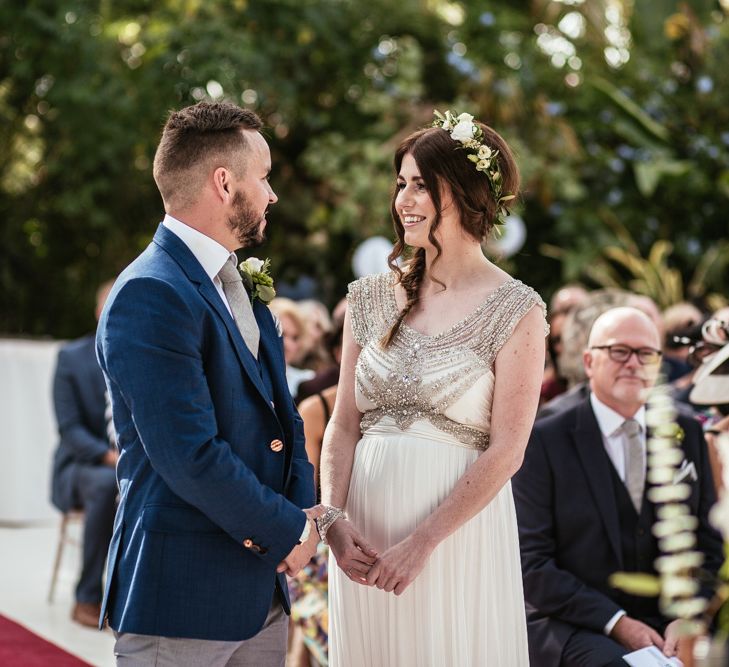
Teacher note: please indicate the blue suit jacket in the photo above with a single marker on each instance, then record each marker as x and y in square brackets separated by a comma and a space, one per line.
[78, 399]
[207, 507]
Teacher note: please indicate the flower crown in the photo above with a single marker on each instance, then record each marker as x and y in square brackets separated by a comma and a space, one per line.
[465, 132]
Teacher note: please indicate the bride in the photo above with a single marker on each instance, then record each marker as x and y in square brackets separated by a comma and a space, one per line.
[439, 384]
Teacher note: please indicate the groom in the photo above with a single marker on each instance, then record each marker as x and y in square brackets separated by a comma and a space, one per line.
[212, 469]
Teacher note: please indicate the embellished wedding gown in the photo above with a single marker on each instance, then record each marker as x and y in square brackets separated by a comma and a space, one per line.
[426, 404]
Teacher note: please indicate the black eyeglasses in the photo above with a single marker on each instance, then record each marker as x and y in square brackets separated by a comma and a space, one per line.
[621, 353]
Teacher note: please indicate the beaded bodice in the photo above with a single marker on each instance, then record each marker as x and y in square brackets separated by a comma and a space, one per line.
[446, 379]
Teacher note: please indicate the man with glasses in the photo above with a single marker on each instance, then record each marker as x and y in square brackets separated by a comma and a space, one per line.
[583, 512]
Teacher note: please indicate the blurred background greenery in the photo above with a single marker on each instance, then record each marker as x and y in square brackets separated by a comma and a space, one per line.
[618, 112]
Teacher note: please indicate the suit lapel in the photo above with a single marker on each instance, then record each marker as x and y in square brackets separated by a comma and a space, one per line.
[194, 271]
[595, 462]
[270, 354]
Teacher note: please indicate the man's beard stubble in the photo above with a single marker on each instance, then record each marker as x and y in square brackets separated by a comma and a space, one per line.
[245, 223]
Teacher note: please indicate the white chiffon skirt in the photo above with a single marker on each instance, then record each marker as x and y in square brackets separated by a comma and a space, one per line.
[466, 608]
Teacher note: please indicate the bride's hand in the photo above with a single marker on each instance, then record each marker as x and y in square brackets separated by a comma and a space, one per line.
[398, 567]
[354, 555]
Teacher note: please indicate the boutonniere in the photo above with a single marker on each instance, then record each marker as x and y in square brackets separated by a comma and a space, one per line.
[257, 279]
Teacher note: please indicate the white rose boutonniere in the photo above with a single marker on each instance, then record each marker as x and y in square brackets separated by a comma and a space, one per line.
[257, 279]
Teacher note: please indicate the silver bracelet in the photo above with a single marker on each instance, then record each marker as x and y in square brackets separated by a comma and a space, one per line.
[326, 521]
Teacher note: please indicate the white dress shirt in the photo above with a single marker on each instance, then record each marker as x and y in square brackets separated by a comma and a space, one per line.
[211, 255]
[610, 424]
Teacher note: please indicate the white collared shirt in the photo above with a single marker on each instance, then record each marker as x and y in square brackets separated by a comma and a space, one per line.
[211, 255]
[610, 423]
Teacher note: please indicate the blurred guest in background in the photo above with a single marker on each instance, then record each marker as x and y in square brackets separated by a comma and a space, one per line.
[316, 409]
[682, 324]
[295, 336]
[309, 589]
[710, 393]
[563, 302]
[84, 463]
[328, 375]
[647, 305]
[318, 325]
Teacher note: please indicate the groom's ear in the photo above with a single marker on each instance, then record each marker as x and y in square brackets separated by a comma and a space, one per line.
[222, 183]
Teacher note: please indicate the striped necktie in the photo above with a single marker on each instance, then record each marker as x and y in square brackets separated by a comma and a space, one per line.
[634, 454]
[240, 306]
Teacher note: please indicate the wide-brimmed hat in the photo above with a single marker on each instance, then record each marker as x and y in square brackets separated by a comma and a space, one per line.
[711, 382]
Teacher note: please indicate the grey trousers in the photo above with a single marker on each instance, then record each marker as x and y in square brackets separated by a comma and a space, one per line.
[266, 649]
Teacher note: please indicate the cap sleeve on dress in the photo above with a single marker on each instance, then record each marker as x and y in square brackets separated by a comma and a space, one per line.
[517, 301]
[357, 311]
[372, 308]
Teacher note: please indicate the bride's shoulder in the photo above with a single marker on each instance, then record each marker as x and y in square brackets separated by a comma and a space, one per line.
[377, 286]
[517, 299]
[369, 301]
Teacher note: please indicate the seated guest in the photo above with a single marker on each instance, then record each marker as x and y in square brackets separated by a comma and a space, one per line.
[84, 464]
[583, 513]
[562, 303]
[573, 338]
[318, 325]
[329, 375]
[681, 322]
[295, 336]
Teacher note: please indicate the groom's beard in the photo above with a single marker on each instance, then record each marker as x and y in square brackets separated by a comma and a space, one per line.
[247, 224]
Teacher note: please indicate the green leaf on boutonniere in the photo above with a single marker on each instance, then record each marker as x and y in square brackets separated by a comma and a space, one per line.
[257, 279]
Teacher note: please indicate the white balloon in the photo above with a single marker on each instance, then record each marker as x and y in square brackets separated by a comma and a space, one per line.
[513, 236]
[371, 256]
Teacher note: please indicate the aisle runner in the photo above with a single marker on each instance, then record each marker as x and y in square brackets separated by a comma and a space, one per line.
[19, 646]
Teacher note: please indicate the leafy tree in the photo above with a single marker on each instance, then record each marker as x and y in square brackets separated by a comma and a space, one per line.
[616, 115]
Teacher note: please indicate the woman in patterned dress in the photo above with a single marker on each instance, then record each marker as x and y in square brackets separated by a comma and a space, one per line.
[439, 385]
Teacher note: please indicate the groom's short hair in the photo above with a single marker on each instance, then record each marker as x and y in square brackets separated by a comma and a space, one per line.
[193, 140]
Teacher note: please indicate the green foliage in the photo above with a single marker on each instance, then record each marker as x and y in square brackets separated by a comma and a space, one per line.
[85, 87]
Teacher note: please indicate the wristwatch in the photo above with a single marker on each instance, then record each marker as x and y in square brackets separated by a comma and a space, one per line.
[305, 532]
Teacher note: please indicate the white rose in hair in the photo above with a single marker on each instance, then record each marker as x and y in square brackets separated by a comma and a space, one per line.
[465, 128]
[254, 264]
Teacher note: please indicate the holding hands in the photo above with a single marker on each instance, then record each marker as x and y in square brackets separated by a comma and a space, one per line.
[302, 553]
[398, 567]
[393, 571]
[354, 555]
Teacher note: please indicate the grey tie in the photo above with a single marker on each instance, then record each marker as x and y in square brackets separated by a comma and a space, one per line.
[634, 454]
[240, 305]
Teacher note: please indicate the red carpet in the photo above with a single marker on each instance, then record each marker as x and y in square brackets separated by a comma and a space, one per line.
[19, 646]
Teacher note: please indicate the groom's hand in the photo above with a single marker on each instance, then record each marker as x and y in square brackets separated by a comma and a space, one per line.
[301, 554]
[354, 554]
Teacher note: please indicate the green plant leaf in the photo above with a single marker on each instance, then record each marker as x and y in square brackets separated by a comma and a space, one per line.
[645, 585]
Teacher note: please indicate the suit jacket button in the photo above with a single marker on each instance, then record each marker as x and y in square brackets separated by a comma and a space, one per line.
[248, 543]
[276, 445]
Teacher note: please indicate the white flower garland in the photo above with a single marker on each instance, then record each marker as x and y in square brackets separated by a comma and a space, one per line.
[470, 137]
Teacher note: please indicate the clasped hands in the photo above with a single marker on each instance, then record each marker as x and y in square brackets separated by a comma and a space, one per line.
[301, 554]
[392, 571]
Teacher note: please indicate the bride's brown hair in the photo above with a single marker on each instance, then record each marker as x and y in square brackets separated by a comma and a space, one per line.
[442, 163]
